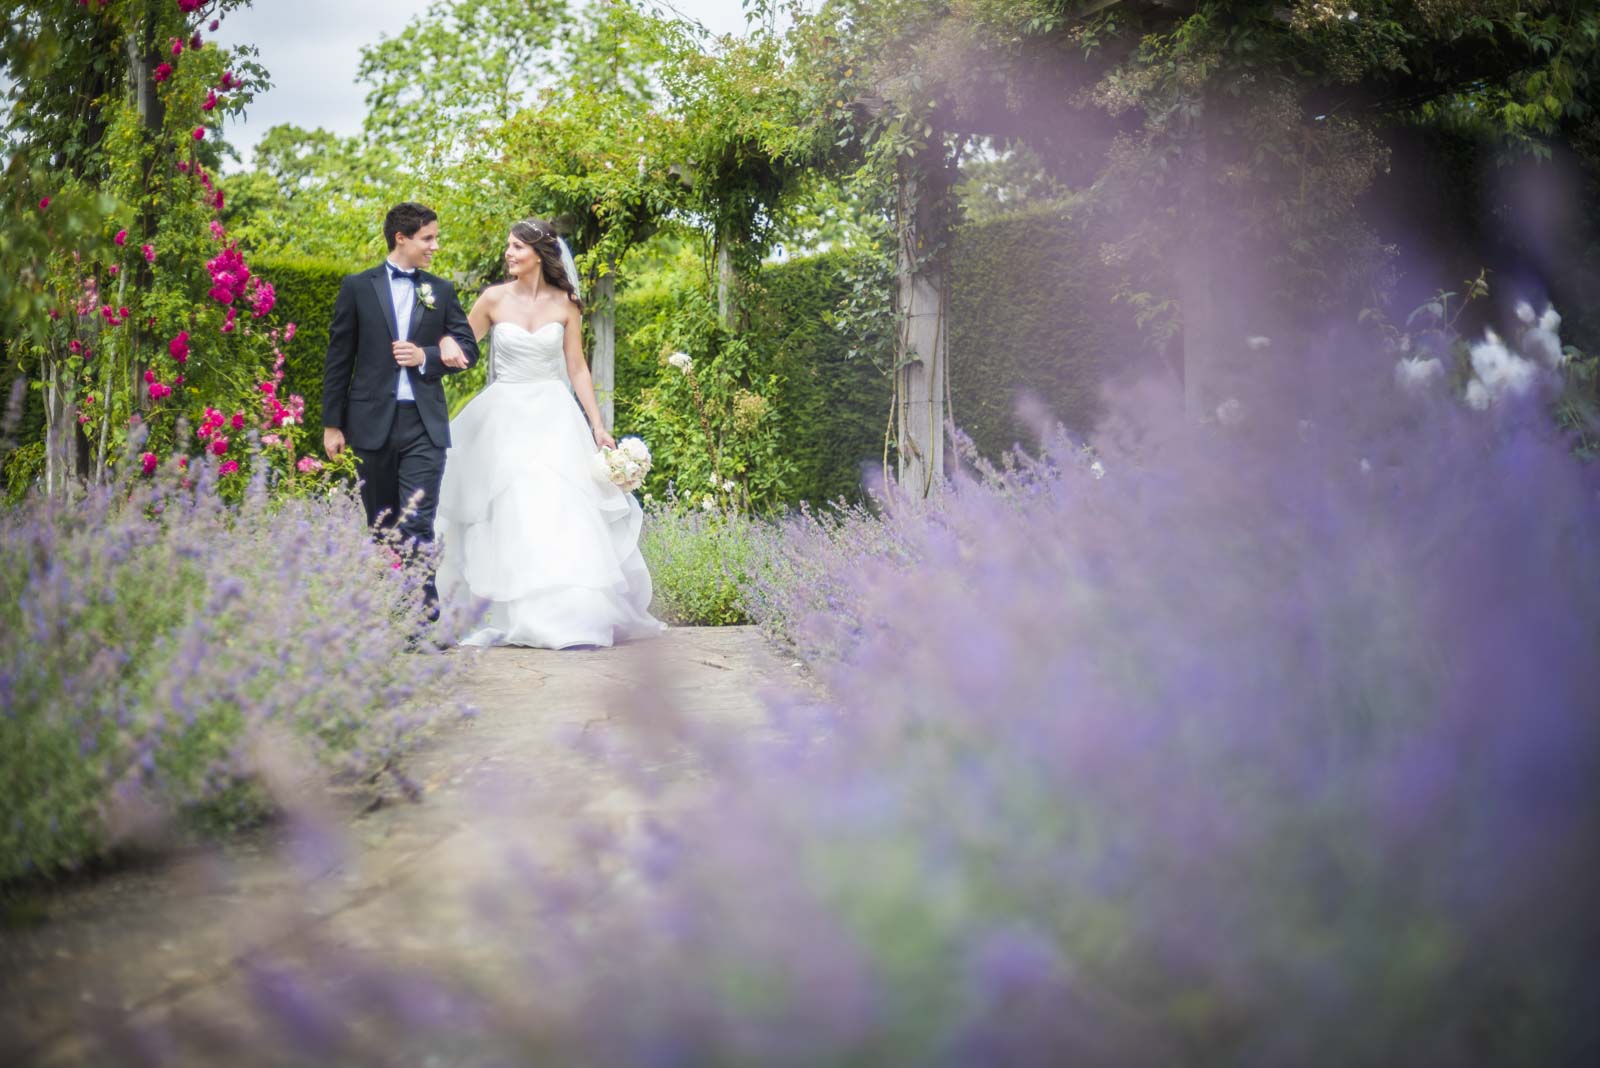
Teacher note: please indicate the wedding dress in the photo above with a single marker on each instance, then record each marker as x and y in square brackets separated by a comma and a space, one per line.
[523, 522]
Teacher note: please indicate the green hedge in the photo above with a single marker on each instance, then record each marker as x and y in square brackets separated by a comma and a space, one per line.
[836, 405]
[306, 290]
[1032, 312]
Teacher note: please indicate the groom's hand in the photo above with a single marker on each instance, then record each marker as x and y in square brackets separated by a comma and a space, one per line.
[408, 355]
[332, 441]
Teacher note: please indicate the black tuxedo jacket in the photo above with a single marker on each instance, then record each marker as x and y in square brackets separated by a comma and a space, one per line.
[358, 375]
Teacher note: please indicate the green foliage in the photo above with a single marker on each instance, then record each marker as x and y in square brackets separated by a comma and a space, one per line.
[699, 561]
[307, 288]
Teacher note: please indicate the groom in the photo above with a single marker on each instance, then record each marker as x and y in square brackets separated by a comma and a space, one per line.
[381, 391]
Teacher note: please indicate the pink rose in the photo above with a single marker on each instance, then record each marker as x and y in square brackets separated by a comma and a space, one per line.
[190, 6]
[199, 133]
[179, 347]
[44, 203]
[211, 100]
[177, 46]
[288, 332]
[219, 445]
[149, 462]
[238, 420]
[121, 238]
[227, 467]
[162, 72]
[308, 463]
[149, 253]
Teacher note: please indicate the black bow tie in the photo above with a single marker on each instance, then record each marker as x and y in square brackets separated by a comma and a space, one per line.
[395, 272]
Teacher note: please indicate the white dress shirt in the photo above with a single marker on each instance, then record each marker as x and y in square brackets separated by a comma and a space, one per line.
[404, 292]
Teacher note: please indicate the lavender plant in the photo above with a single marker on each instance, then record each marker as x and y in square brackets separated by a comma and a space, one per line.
[151, 636]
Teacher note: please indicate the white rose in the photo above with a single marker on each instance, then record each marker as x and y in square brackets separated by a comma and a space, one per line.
[682, 361]
[709, 504]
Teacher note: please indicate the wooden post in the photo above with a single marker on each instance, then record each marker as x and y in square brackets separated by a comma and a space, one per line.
[604, 364]
[922, 350]
[727, 279]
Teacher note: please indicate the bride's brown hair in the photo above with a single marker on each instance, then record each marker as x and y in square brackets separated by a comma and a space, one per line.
[541, 237]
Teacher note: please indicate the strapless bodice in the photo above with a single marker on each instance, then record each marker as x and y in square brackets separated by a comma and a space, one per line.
[520, 355]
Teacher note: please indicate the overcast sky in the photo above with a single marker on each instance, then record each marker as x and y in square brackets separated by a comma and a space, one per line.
[311, 48]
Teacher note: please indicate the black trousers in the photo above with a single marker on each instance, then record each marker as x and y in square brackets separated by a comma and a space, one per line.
[409, 464]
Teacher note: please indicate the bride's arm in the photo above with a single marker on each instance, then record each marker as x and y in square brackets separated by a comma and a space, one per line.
[582, 381]
[480, 320]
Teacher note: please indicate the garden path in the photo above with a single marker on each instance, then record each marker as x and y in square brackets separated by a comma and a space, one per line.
[395, 882]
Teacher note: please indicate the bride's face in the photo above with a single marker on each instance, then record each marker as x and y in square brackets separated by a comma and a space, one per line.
[520, 258]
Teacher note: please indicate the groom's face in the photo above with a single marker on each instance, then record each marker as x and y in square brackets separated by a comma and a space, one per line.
[417, 250]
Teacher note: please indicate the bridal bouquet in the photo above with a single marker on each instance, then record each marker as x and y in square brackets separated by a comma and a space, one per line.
[624, 466]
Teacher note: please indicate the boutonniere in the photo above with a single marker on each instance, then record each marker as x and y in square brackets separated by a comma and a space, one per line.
[425, 294]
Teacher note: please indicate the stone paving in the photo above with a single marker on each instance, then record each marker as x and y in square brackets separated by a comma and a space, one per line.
[170, 933]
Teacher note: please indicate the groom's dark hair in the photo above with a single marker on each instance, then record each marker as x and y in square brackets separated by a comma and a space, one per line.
[406, 219]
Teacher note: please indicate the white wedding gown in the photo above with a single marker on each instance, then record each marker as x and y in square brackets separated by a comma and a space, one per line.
[523, 522]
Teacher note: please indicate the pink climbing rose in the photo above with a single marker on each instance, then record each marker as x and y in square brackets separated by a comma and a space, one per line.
[121, 238]
[149, 462]
[162, 72]
[149, 253]
[227, 467]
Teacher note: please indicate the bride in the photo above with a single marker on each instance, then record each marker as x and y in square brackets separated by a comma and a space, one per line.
[524, 524]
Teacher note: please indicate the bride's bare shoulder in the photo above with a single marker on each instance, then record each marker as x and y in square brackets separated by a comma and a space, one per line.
[489, 297]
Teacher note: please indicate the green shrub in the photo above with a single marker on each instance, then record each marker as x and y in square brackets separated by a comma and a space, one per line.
[699, 561]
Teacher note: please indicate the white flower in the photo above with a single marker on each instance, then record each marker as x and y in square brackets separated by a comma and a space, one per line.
[1477, 396]
[682, 361]
[635, 449]
[1541, 341]
[1097, 469]
[1499, 369]
[1256, 344]
[709, 503]
[1366, 466]
[1525, 312]
[1416, 374]
[728, 485]
[288, 420]
[425, 294]
[1230, 412]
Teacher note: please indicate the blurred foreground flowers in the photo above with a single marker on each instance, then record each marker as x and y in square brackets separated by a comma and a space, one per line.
[1277, 747]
